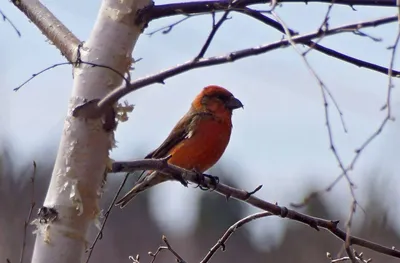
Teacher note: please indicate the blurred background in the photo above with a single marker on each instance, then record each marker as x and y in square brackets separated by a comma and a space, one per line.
[279, 139]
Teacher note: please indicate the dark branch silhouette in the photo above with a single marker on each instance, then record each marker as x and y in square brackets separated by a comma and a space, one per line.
[166, 10]
[221, 242]
[196, 8]
[28, 219]
[95, 110]
[242, 195]
[5, 18]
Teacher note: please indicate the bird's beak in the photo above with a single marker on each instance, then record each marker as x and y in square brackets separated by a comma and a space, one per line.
[233, 103]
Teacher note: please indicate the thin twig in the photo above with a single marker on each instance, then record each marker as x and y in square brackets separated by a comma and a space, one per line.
[28, 219]
[5, 18]
[225, 190]
[168, 247]
[221, 242]
[362, 34]
[371, 138]
[106, 103]
[351, 255]
[77, 62]
[314, 45]
[168, 28]
[214, 29]
[106, 216]
[324, 90]
[323, 27]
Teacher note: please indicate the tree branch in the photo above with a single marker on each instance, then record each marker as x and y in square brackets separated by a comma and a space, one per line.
[95, 110]
[210, 37]
[313, 45]
[221, 242]
[159, 11]
[5, 18]
[51, 27]
[28, 219]
[228, 191]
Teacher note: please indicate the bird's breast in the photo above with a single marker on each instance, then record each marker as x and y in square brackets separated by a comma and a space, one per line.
[204, 146]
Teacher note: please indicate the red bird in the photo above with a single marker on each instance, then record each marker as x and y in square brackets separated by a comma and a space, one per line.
[197, 141]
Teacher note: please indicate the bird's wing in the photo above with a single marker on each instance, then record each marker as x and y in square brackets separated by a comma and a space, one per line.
[183, 130]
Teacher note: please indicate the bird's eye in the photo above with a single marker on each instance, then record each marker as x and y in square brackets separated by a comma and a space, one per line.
[222, 97]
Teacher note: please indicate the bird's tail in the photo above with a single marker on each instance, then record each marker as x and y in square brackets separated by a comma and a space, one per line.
[143, 184]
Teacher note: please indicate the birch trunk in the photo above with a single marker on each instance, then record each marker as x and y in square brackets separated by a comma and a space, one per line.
[84, 146]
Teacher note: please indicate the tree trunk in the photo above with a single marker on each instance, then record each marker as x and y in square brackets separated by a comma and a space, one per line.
[84, 146]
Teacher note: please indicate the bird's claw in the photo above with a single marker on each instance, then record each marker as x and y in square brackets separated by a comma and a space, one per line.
[201, 182]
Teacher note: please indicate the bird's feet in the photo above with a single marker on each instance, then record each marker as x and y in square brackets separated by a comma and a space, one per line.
[214, 181]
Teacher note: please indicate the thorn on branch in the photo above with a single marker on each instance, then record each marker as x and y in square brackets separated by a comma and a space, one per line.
[249, 194]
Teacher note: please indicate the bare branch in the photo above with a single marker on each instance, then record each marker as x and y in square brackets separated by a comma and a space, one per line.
[51, 27]
[372, 137]
[159, 11]
[168, 247]
[315, 46]
[5, 18]
[28, 219]
[215, 27]
[95, 111]
[221, 242]
[352, 258]
[225, 190]
[191, 8]
[106, 215]
[324, 90]
[69, 63]
[167, 29]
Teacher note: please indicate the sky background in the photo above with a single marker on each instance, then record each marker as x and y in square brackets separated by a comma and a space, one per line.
[279, 139]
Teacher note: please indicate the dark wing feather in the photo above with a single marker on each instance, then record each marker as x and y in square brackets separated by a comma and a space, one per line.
[179, 133]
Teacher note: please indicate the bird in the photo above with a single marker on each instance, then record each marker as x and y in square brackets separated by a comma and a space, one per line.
[197, 141]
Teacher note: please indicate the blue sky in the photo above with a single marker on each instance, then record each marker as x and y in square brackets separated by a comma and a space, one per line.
[279, 139]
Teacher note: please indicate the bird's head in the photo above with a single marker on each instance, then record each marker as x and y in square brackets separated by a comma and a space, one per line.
[217, 100]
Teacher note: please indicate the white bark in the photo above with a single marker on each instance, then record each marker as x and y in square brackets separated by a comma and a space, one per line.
[84, 147]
